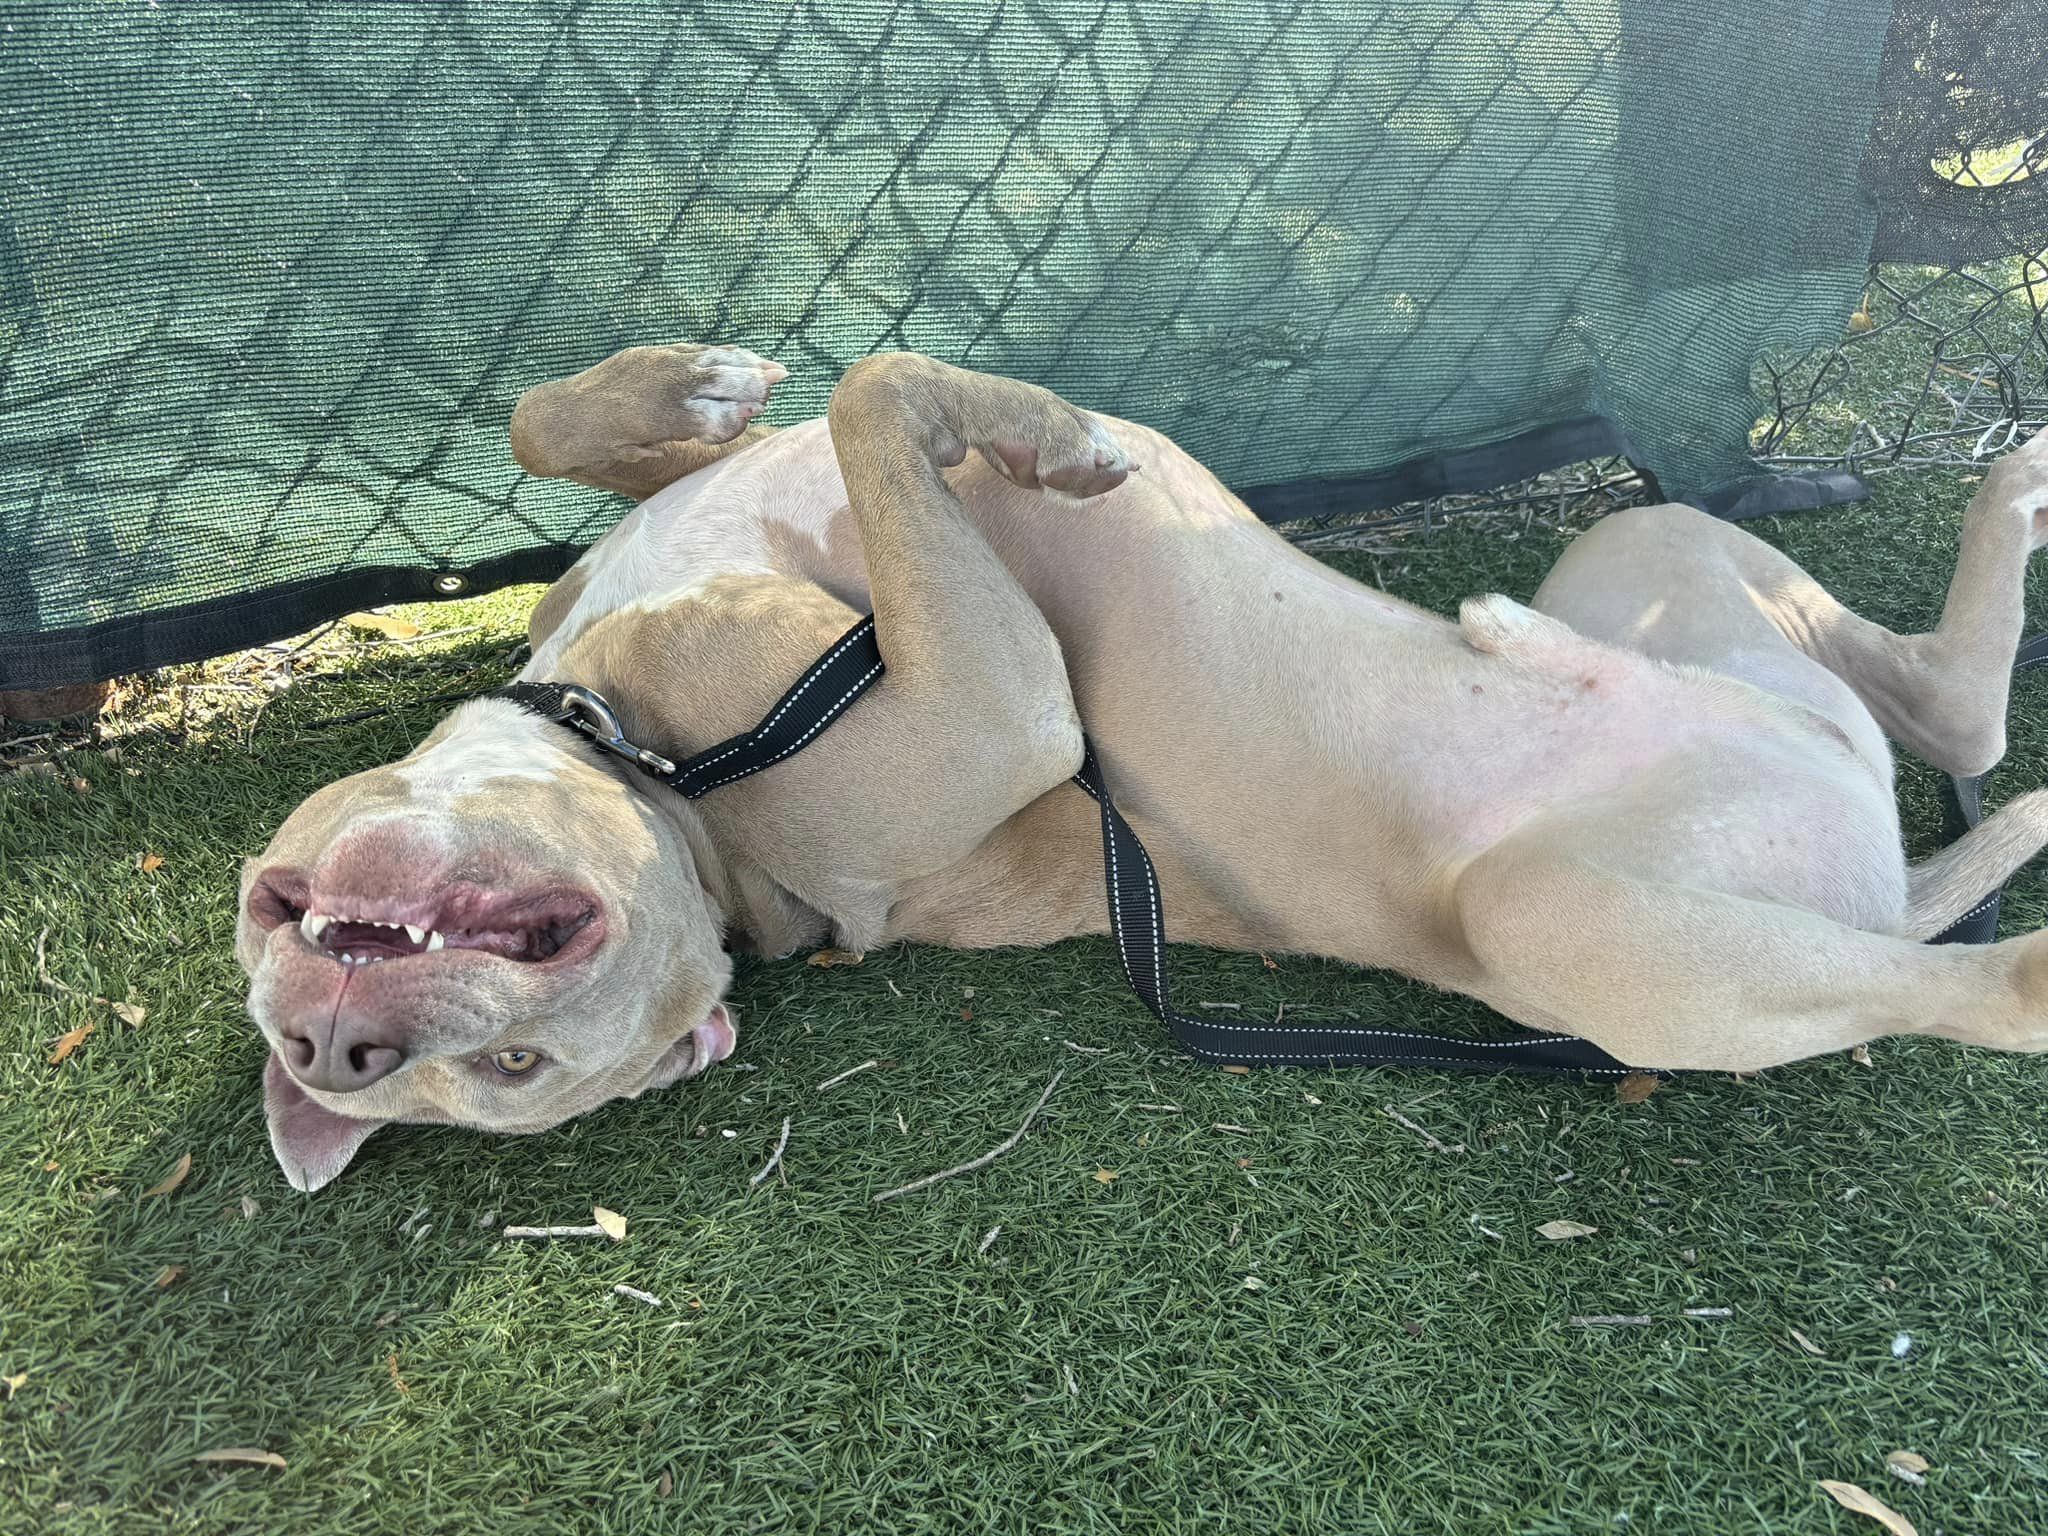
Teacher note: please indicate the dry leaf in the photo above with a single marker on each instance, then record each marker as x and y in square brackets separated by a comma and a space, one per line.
[150, 863]
[398, 1381]
[172, 1179]
[52, 1166]
[70, 1041]
[131, 1013]
[1238, 1071]
[826, 958]
[1637, 1086]
[1309, 1098]
[1106, 1175]
[172, 1274]
[1907, 1467]
[1559, 1231]
[665, 1485]
[1860, 1055]
[1805, 1343]
[613, 1223]
[249, 1208]
[1271, 963]
[1849, 1496]
[81, 786]
[243, 1455]
[383, 624]
[14, 1383]
[966, 1015]
[1254, 1283]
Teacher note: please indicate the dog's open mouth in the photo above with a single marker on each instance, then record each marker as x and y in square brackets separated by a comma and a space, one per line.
[531, 928]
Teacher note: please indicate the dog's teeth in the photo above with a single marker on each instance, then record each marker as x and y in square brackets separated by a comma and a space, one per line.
[434, 942]
[312, 925]
[417, 935]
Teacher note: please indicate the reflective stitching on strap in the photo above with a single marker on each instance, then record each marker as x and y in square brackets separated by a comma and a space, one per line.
[851, 637]
[833, 711]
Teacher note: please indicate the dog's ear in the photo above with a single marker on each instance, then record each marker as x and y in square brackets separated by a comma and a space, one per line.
[313, 1144]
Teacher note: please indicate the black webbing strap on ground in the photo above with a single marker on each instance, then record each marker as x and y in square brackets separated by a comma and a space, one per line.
[1136, 917]
[1962, 808]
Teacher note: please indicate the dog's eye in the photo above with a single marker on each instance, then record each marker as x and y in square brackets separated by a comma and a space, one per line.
[516, 1061]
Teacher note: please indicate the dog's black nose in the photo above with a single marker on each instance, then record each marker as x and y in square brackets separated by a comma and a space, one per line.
[350, 1059]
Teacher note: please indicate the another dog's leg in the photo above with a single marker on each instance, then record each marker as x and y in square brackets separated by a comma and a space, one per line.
[1664, 975]
[1942, 694]
[645, 417]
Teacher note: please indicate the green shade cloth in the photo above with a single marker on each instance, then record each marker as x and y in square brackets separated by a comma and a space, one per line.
[272, 274]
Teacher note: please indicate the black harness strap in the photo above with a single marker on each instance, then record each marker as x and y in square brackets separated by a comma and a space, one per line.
[1137, 919]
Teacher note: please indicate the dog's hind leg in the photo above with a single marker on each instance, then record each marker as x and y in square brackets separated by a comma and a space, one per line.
[645, 417]
[1661, 974]
[1675, 583]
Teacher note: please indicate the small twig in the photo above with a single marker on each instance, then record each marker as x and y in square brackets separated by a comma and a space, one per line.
[1709, 1312]
[555, 1232]
[1483, 1227]
[988, 1238]
[1164, 1109]
[1430, 1141]
[1088, 1050]
[1235, 1130]
[774, 1159]
[834, 1082]
[427, 634]
[986, 1158]
[1233, 1007]
[43, 974]
[634, 1293]
[1612, 1322]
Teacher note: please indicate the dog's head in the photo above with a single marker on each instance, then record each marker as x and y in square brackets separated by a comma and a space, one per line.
[497, 932]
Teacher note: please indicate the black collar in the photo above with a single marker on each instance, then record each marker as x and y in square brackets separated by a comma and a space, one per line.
[820, 696]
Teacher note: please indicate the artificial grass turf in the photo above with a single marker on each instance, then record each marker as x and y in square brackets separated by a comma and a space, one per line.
[825, 1364]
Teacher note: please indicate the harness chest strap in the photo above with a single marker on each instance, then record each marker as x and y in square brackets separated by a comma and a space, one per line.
[1137, 918]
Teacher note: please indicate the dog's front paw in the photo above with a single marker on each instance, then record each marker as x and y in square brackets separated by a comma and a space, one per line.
[690, 392]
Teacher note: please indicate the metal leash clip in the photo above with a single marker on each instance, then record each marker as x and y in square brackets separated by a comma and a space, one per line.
[589, 713]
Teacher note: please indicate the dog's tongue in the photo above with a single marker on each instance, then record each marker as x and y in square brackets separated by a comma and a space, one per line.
[714, 1038]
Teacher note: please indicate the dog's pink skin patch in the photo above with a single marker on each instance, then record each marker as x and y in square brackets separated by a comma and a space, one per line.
[715, 1037]
[313, 1144]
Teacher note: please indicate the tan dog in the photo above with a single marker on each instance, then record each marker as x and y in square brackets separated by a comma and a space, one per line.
[1653, 809]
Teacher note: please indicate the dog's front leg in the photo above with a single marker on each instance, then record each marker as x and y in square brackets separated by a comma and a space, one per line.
[979, 687]
[645, 417]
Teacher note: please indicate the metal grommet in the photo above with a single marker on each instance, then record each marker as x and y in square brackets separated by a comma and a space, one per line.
[448, 586]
